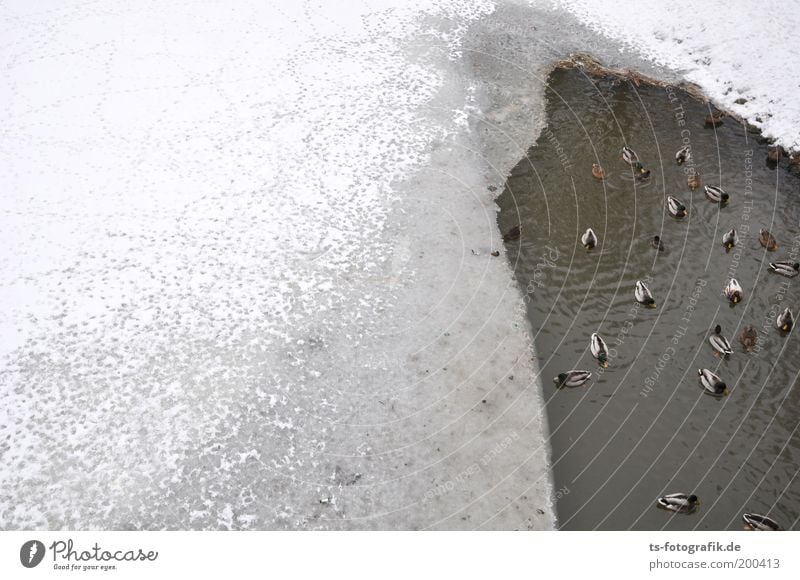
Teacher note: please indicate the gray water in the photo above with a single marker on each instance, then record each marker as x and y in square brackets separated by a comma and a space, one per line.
[643, 427]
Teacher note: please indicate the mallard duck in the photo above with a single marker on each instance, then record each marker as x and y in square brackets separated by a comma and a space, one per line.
[599, 350]
[716, 194]
[714, 118]
[693, 181]
[719, 343]
[748, 338]
[785, 268]
[676, 207]
[512, 234]
[572, 378]
[759, 523]
[589, 239]
[629, 156]
[794, 159]
[730, 239]
[785, 320]
[775, 153]
[767, 240]
[733, 291]
[657, 243]
[643, 295]
[640, 171]
[679, 502]
[598, 172]
[683, 155]
[712, 384]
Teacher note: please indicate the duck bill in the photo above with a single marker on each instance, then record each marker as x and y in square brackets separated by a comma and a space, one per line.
[604, 364]
[652, 305]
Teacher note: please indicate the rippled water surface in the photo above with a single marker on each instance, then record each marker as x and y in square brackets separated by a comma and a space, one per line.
[643, 427]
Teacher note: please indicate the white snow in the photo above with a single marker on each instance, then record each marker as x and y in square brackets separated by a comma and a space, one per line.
[194, 259]
[235, 253]
[732, 49]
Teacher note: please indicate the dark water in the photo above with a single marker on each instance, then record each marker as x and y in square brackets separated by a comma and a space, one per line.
[643, 427]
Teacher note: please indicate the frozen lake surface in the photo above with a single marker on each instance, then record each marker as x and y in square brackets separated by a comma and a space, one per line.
[246, 270]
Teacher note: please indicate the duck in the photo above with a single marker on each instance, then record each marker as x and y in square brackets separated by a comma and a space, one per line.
[719, 343]
[693, 181]
[512, 234]
[589, 239]
[679, 502]
[730, 239]
[785, 268]
[598, 172]
[714, 118]
[733, 291]
[794, 159]
[748, 338]
[640, 171]
[716, 194]
[767, 240]
[657, 243]
[712, 384]
[599, 350]
[759, 523]
[676, 207]
[683, 155]
[572, 378]
[643, 295]
[785, 320]
[775, 153]
[629, 156]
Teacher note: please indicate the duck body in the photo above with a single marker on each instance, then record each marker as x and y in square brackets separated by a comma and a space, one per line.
[719, 343]
[599, 349]
[730, 239]
[693, 181]
[759, 523]
[643, 295]
[716, 194]
[788, 269]
[679, 502]
[574, 378]
[629, 156]
[711, 383]
[683, 155]
[733, 291]
[657, 243]
[785, 320]
[748, 337]
[675, 207]
[589, 239]
[714, 118]
[767, 240]
[598, 172]
[774, 154]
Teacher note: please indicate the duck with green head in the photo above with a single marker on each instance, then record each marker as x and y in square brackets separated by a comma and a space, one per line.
[681, 503]
[599, 349]
[574, 378]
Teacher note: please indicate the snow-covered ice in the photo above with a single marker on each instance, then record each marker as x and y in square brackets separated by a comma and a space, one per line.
[245, 256]
[735, 50]
[213, 308]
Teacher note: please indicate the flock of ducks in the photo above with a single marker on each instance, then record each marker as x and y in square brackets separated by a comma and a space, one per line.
[711, 383]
